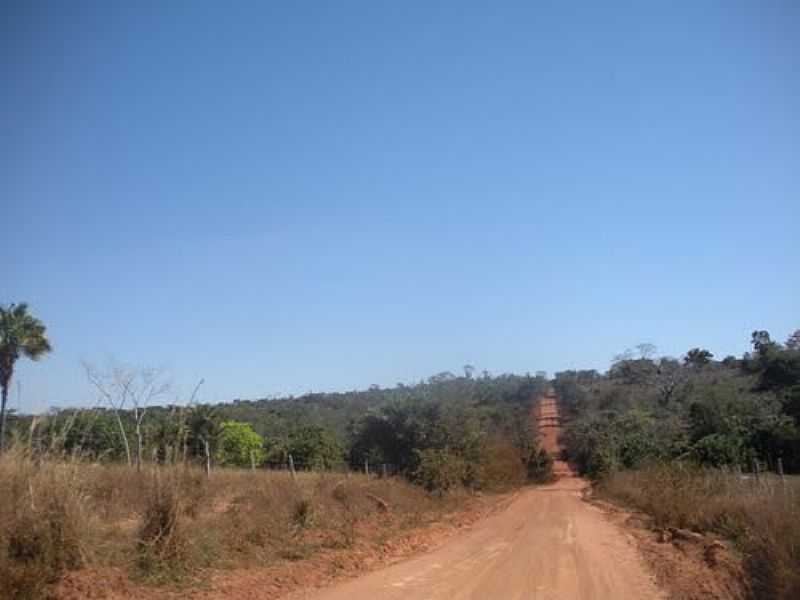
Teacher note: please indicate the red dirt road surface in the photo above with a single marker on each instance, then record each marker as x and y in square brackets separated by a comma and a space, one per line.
[548, 424]
[547, 545]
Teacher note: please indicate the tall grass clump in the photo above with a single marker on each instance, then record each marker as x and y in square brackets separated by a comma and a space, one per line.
[45, 526]
[172, 542]
[762, 516]
[173, 524]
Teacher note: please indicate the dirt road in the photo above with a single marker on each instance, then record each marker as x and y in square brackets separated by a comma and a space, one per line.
[547, 545]
[548, 422]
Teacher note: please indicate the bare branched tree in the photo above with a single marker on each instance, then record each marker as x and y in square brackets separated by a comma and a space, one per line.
[646, 351]
[122, 388]
[668, 379]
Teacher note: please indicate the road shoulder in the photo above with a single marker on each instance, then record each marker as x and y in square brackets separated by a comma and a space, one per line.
[686, 565]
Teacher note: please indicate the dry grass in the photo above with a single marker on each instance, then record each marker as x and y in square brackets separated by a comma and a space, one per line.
[172, 524]
[762, 516]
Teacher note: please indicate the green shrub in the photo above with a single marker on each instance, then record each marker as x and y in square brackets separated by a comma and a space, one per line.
[238, 445]
[314, 447]
[540, 467]
[440, 470]
[501, 466]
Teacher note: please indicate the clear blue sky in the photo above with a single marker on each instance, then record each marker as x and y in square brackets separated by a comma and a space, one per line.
[293, 196]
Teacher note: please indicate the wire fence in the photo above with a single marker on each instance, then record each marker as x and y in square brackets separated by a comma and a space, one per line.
[294, 466]
[765, 479]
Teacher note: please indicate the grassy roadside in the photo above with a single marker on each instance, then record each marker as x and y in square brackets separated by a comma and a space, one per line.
[170, 526]
[761, 517]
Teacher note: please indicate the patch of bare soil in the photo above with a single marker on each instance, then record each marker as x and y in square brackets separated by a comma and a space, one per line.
[378, 544]
[687, 565]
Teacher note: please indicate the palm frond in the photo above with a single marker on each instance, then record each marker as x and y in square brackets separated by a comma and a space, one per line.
[22, 334]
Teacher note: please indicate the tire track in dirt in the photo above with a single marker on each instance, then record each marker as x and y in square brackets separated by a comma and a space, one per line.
[547, 421]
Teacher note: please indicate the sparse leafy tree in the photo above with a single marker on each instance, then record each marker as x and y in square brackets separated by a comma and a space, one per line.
[203, 425]
[668, 378]
[762, 342]
[793, 342]
[441, 377]
[697, 357]
[730, 361]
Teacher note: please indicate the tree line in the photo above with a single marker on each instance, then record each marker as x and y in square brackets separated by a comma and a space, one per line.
[722, 413]
[445, 431]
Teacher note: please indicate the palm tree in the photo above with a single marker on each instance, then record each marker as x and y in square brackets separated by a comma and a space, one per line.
[21, 334]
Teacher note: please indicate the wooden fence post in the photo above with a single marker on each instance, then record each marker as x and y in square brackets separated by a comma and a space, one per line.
[291, 466]
[366, 467]
[385, 471]
[208, 457]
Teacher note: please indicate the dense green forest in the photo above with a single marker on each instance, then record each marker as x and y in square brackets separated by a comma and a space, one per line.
[738, 412]
[445, 431]
[742, 413]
